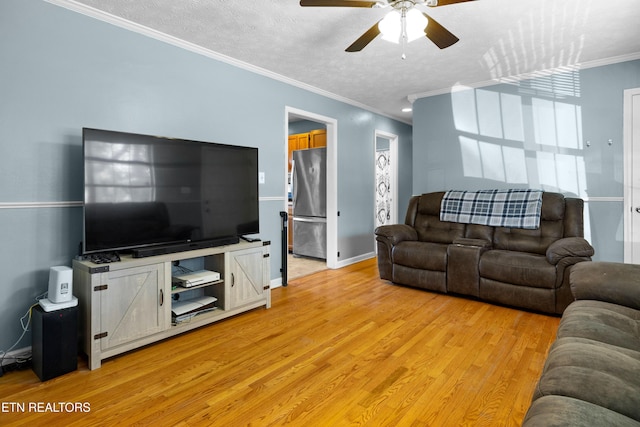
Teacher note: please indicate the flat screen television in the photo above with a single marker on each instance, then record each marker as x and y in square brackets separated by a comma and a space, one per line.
[151, 195]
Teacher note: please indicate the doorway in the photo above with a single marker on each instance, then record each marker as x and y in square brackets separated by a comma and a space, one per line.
[293, 115]
[631, 129]
[386, 183]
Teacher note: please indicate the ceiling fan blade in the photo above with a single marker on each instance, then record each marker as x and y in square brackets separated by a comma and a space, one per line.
[364, 39]
[337, 3]
[438, 34]
[445, 2]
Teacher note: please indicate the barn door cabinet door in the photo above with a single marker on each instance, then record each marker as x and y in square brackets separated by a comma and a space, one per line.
[246, 278]
[132, 305]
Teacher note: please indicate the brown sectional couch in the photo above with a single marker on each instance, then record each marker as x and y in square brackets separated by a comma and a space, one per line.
[517, 267]
[592, 373]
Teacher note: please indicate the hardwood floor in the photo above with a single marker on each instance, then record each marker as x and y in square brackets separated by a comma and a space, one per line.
[339, 347]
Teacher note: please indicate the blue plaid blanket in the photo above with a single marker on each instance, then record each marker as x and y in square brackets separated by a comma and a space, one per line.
[498, 208]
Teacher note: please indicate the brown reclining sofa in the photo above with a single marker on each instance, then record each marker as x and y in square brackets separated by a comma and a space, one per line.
[592, 373]
[526, 268]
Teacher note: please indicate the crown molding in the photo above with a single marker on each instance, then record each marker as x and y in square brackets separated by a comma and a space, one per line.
[527, 76]
[183, 44]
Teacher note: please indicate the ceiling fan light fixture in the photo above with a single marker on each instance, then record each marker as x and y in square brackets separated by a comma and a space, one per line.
[391, 27]
[408, 24]
[416, 23]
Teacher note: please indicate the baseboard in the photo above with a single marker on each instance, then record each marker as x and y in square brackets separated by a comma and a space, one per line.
[354, 260]
[276, 283]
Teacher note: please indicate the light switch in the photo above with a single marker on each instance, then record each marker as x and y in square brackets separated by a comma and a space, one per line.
[261, 178]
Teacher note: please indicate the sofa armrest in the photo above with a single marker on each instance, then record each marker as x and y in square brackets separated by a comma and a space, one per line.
[387, 236]
[612, 282]
[395, 233]
[569, 247]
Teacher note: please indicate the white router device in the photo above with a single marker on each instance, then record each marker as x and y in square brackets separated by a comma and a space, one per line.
[195, 278]
[60, 293]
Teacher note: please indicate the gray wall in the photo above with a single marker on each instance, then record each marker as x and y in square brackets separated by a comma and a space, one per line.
[62, 71]
[533, 134]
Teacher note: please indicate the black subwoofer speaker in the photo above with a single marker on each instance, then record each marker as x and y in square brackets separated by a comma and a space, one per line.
[54, 343]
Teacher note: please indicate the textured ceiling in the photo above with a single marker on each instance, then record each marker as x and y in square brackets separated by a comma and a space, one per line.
[498, 39]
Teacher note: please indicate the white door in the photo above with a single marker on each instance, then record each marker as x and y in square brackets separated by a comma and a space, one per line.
[386, 183]
[383, 187]
[632, 175]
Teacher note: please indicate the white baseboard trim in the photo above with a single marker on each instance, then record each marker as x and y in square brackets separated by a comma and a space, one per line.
[356, 259]
[276, 283]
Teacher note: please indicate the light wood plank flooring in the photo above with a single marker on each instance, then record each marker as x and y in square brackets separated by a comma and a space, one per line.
[339, 347]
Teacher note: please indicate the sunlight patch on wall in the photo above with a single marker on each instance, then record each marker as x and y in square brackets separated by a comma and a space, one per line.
[512, 117]
[464, 107]
[562, 172]
[488, 113]
[523, 135]
[516, 165]
[557, 124]
[492, 161]
[471, 160]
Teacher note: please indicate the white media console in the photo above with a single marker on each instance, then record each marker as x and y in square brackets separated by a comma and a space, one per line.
[127, 304]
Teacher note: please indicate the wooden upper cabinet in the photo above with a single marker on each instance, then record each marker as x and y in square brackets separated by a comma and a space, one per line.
[302, 141]
[299, 141]
[318, 138]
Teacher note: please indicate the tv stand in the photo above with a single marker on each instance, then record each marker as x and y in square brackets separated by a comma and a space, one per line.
[127, 305]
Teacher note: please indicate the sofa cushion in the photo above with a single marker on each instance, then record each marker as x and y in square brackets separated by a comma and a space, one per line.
[431, 229]
[562, 411]
[535, 241]
[586, 370]
[602, 321]
[518, 268]
[538, 240]
[427, 221]
[421, 255]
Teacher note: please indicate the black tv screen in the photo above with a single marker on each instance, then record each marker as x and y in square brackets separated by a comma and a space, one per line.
[143, 191]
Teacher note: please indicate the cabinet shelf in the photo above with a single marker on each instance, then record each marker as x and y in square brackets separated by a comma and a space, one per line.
[205, 315]
[180, 289]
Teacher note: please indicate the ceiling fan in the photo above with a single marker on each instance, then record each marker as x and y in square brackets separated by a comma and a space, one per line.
[402, 25]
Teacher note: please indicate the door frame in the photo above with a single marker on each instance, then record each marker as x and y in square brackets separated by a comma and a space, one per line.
[393, 152]
[631, 158]
[332, 175]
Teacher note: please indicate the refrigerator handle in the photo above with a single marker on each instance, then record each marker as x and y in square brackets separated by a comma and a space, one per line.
[293, 181]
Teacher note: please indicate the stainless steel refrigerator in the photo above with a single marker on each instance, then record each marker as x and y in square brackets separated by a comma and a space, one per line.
[309, 187]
